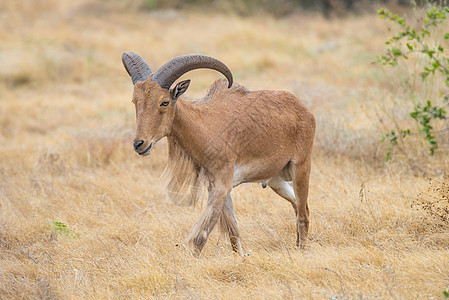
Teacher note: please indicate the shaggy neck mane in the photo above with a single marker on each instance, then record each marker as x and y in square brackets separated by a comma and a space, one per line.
[183, 173]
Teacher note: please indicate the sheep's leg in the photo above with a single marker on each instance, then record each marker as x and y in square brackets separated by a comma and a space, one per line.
[203, 227]
[228, 224]
[283, 189]
[301, 173]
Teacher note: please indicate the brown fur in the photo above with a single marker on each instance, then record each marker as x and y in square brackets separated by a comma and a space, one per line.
[228, 224]
[229, 137]
[182, 176]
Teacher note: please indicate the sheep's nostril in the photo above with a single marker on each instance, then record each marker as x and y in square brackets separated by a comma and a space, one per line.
[137, 144]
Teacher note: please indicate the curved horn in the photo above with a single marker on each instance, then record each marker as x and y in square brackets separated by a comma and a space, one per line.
[136, 66]
[176, 67]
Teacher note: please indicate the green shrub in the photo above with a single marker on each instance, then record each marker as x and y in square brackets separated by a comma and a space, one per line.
[424, 43]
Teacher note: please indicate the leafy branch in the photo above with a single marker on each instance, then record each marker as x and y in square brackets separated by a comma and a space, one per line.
[422, 40]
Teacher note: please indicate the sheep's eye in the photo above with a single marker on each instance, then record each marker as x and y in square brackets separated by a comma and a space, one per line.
[165, 103]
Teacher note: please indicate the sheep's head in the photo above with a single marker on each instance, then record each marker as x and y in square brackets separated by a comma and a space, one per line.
[154, 100]
[155, 110]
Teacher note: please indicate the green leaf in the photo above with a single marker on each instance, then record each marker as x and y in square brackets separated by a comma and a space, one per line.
[396, 52]
[64, 230]
[405, 133]
[423, 41]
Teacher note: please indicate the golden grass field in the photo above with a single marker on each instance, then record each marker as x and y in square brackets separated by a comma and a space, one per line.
[83, 216]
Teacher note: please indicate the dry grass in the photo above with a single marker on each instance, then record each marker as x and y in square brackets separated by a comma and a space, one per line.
[81, 216]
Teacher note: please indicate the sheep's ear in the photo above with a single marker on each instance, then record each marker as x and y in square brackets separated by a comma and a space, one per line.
[179, 89]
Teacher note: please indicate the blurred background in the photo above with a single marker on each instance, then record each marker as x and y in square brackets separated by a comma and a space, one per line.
[81, 215]
[322, 51]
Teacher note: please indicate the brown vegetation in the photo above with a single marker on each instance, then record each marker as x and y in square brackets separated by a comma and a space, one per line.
[82, 216]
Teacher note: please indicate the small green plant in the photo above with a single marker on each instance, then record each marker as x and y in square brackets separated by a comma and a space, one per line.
[427, 44]
[150, 4]
[64, 230]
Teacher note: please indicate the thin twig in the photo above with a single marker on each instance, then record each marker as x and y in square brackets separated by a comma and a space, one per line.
[29, 256]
